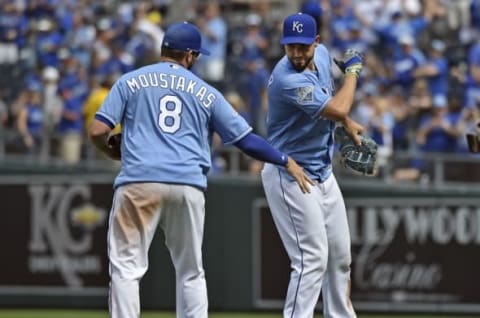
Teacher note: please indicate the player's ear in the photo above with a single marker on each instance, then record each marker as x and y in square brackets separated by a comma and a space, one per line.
[190, 60]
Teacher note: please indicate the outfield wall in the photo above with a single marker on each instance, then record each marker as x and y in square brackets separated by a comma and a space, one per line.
[415, 249]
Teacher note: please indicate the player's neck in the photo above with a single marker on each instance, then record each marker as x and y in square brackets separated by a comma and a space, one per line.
[311, 66]
[170, 60]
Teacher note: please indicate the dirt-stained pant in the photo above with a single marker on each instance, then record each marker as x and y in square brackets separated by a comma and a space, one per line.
[138, 209]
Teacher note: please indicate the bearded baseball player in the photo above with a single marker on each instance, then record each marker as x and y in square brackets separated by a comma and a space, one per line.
[168, 116]
[302, 114]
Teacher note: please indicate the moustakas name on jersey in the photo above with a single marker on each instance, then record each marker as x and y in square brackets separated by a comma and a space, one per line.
[173, 82]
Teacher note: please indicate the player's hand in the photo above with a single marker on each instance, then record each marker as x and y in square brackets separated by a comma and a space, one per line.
[28, 141]
[352, 62]
[297, 172]
[354, 130]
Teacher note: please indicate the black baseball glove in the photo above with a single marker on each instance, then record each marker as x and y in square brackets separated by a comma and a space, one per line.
[360, 159]
[114, 142]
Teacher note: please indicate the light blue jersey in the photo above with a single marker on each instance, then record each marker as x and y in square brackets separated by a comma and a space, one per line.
[168, 115]
[294, 124]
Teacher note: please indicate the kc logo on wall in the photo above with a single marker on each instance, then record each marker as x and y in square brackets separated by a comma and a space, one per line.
[56, 234]
[61, 237]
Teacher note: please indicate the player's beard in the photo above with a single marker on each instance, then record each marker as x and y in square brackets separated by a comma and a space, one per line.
[300, 67]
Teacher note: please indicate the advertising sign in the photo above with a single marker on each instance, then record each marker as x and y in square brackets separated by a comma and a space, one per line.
[408, 254]
[55, 238]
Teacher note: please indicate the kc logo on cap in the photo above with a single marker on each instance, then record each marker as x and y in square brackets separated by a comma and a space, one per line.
[297, 26]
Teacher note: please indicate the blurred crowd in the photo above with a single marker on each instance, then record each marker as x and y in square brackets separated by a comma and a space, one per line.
[419, 91]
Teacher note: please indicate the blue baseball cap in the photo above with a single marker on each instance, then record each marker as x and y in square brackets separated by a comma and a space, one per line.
[313, 8]
[184, 36]
[299, 28]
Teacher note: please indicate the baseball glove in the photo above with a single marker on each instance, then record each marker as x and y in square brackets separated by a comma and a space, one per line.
[114, 142]
[359, 159]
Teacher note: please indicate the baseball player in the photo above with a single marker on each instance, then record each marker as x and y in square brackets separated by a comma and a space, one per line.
[168, 116]
[301, 118]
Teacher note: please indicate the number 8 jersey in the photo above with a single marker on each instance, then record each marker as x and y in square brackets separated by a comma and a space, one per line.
[168, 115]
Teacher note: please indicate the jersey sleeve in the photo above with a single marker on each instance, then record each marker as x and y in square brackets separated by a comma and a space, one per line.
[228, 123]
[113, 106]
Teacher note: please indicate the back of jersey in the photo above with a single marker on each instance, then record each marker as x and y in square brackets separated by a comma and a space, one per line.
[165, 112]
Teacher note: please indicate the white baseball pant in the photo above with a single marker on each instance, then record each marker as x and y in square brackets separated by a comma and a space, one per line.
[314, 230]
[138, 208]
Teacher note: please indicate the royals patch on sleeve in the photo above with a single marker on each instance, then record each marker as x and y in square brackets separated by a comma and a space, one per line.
[305, 94]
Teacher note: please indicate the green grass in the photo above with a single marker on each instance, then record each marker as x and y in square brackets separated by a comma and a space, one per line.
[150, 314]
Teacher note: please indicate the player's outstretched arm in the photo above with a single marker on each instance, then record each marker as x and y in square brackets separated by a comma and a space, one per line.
[258, 148]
